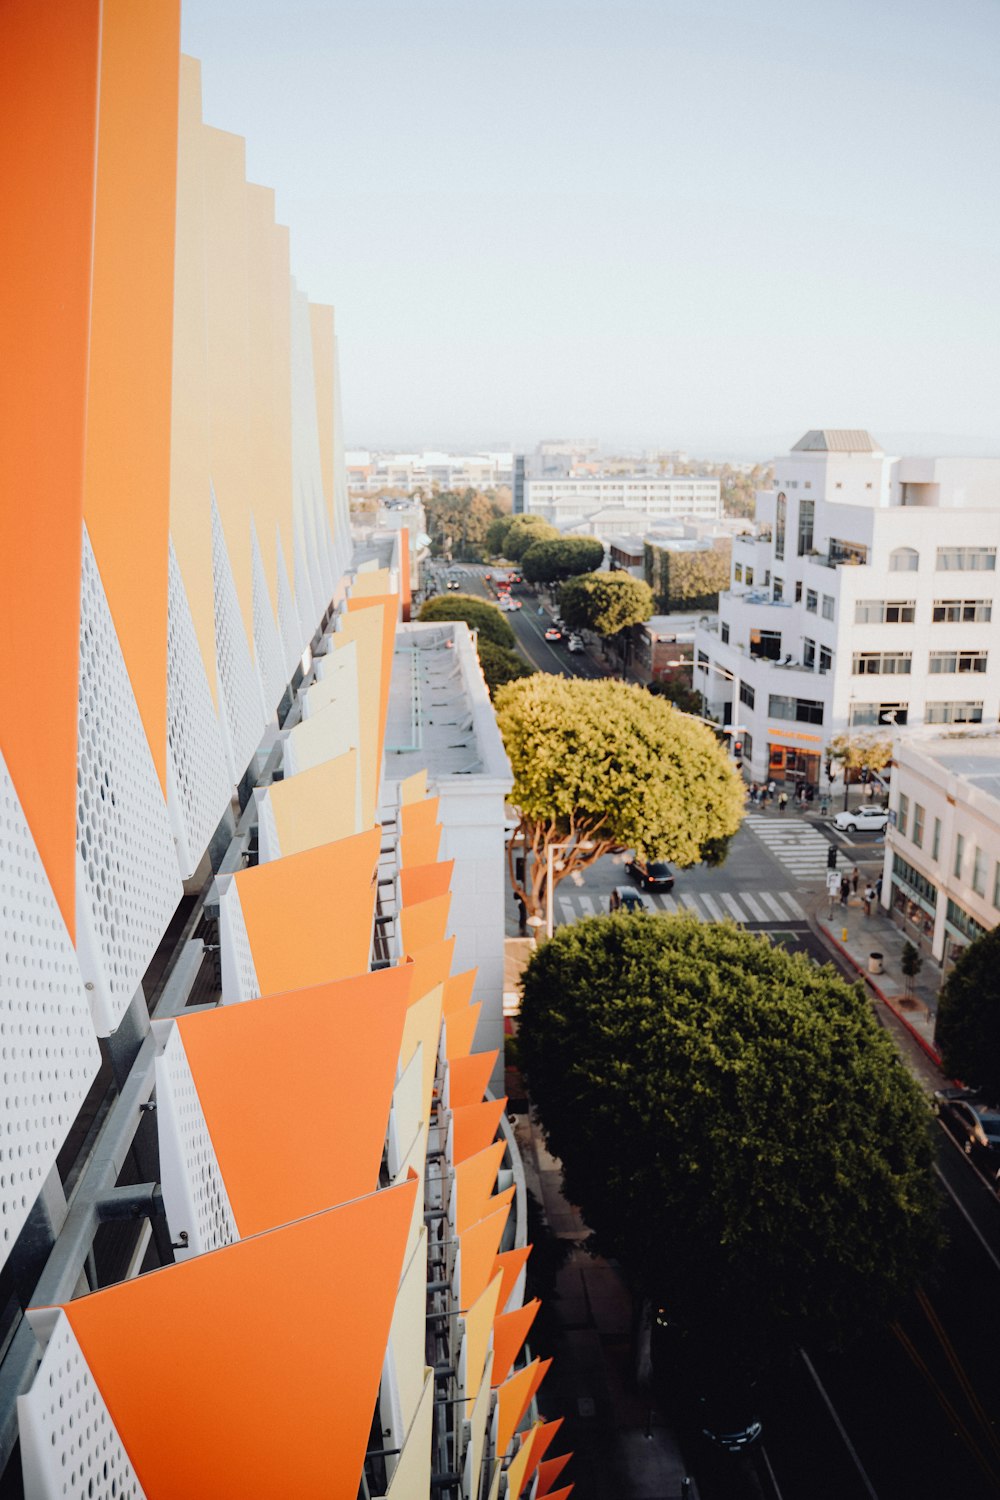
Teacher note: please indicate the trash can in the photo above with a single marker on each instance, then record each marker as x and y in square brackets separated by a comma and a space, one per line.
[875, 963]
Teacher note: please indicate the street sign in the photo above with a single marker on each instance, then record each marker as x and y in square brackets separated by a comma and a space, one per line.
[833, 883]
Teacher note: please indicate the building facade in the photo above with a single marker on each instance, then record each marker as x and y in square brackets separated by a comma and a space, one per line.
[565, 502]
[866, 598]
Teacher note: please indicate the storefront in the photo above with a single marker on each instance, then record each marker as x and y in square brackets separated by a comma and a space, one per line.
[959, 931]
[914, 903]
[793, 757]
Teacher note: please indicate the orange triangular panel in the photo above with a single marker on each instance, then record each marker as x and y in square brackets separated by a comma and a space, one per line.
[298, 1129]
[49, 69]
[509, 1332]
[539, 1376]
[421, 882]
[474, 1179]
[420, 847]
[549, 1470]
[511, 1263]
[289, 906]
[414, 815]
[458, 990]
[518, 1468]
[424, 923]
[543, 1436]
[478, 1257]
[429, 968]
[389, 605]
[460, 1031]
[293, 1377]
[474, 1127]
[562, 1494]
[468, 1076]
[512, 1403]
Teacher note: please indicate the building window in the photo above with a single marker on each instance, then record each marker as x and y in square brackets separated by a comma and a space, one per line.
[847, 552]
[703, 658]
[738, 572]
[748, 575]
[825, 658]
[798, 591]
[724, 632]
[936, 841]
[766, 643]
[958, 661]
[978, 871]
[903, 817]
[780, 517]
[966, 559]
[959, 855]
[904, 560]
[812, 600]
[866, 715]
[966, 611]
[884, 611]
[917, 833]
[807, 518]
[963, 923]
[829, 604]
[881, 663]
[779, 590]
[801, 710]
[747, 694]
[808, 653]
[913, 882]
[953, 713]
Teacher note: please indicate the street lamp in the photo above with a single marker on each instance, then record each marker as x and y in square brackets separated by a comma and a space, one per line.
[549, 870]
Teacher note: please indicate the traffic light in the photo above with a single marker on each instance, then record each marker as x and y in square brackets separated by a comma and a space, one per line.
[737, 748]
[831, 857]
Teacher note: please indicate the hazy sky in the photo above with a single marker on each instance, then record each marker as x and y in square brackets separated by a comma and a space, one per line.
[708, 225]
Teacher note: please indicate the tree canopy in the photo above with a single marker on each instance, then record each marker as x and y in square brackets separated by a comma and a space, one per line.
[857, 752]
[605, 602]
[733, 1124]
[599, 764]
[523, 532]
[687, 580]
[477, 614]
[496, 535]
[458, 523]
[500, 665]
[554, 561]
[968, 1018]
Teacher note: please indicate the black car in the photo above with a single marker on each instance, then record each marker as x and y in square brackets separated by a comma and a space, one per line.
[624, 898]
[654, 876]
[708, 1396]
[975, 1125]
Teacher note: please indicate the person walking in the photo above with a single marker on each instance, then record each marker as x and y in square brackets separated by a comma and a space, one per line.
[845, 889]
[782, 801]
[855, 877]
[522, 915]
[878, 890]
[771, 788]
[869, 898]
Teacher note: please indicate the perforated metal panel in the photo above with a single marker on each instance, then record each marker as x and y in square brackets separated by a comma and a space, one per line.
[293, 636]
[70, 1447]
[198, 785]
[128, 880]
[239, 977]
[267, 646]
[194, 1193]
[239, 688]
[268, 842]
[48, 1048]
[309, 610]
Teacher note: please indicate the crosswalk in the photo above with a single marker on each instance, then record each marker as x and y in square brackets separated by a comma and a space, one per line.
[747, 906]
[797, 845]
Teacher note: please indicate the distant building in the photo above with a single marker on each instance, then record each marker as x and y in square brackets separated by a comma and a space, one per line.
[566, 501]
[664, 647]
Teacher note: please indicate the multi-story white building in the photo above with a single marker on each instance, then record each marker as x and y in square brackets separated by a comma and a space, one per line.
[942, 858]
[565, 502]
[867, 597]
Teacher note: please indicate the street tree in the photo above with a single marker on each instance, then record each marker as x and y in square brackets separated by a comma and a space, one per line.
[477, 614]
[458, 523]
[523, 532]
[600, 765]
[605, 602]
[500, 665]
[496, 535]
[968, 1018]
[733, 1124]
[566, 557]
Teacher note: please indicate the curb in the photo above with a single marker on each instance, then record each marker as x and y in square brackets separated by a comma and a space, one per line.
[927, 1046]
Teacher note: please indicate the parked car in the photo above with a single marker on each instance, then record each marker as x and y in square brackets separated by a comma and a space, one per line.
[654, 876]
[553, 633]
[624, 898]
[574, 644]
[713, 1400]
[514, 578]
[975, 1125]
[867, 818]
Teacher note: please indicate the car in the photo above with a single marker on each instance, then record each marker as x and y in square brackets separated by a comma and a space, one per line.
[974, 1124]
[654, 876]
[867, 819]
[560, 622]
[487, 577]
[553, 633]
[574, 644]
[624, 898]
[514, 603]
[453, 583]
[712, 1399]
[514, 578]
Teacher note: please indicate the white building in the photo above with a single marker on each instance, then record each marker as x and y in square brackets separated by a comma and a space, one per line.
[565, 501]
[942, 858]
[868, 597]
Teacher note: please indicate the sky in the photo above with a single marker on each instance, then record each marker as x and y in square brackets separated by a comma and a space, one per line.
[702, 225]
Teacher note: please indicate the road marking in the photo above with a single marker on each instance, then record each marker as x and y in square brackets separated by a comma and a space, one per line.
[587, 903]
[713, 907]
[692, 905]
[775, 907]
[793, 906]
[733, 905]
[758, 912]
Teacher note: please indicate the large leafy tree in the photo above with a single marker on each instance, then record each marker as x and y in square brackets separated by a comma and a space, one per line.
[496, 535]
[477, 614]
[500, 665]
[568, 556]
[523, 532]
[458, 523]
[598, 765]
[968, 1018]
[855, 753]
[733, 1124]
[605, 602]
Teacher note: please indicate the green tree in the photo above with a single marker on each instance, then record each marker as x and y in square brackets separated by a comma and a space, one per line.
[683, 579]
[733, 1124]
[477, 614]
[968, 1018]
[607, 603]
[599, 765]
[859, 752]
[496, 535]
[500, 665]
[568, 556]
[458, 523]
[679, 692]
[523, 532]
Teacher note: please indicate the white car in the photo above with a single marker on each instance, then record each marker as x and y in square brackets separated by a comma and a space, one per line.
[574, 644]
[866, 818]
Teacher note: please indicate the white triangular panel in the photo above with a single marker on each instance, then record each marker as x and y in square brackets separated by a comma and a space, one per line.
[128, 882]
[198, 784]
[239, 976]
[268, 842]
[194, 1193]
[243, 718]
[50, 1051]
[267, 645]
[293, 635]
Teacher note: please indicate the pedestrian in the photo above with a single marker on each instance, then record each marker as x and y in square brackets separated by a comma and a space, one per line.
[855, 877]
[771, 788]
[845, 889]
[869, 898]
[878, 890]
[782, 801]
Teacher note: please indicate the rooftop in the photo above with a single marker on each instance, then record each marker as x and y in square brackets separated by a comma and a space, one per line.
[837, 440]
[971, 755]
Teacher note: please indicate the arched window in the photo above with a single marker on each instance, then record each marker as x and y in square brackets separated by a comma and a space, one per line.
[904, 560]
